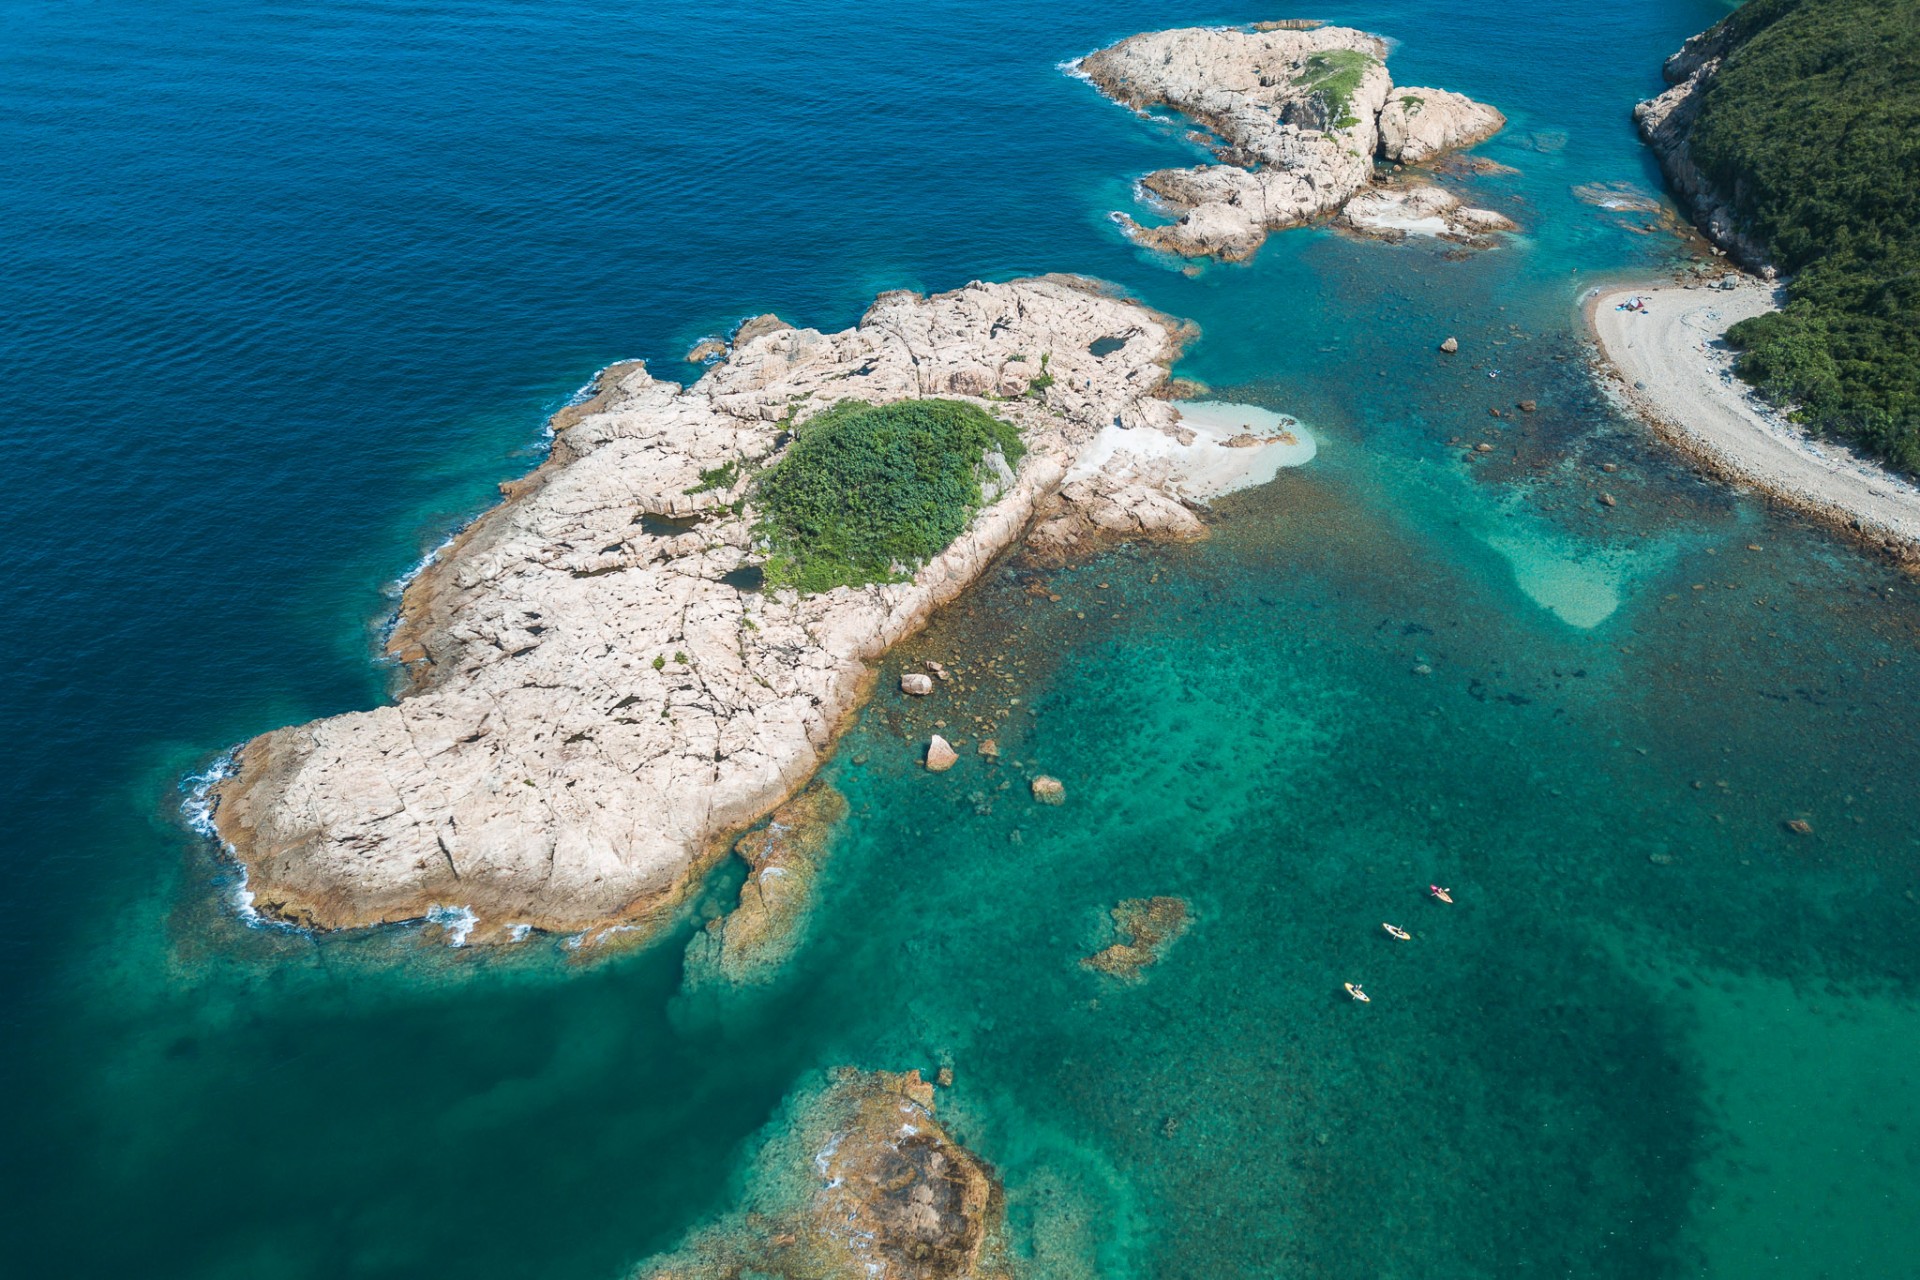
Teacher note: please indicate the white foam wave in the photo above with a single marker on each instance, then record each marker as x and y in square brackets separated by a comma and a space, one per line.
[457, 921]
[197, 809]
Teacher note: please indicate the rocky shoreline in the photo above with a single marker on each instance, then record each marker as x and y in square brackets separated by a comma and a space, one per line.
[1666, 123]
[1297, 119]
[599, 697]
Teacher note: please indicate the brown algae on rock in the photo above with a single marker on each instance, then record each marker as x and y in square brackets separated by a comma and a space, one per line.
[1145, 929]
[857, 1179]
[784, 860]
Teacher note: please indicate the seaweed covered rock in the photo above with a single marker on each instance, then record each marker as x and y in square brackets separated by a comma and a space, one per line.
[1144, 929]
[858, 1181]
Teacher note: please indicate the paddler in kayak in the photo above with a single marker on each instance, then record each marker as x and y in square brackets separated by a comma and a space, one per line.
[1396, 931]
[1353, 989]
[1445, 895]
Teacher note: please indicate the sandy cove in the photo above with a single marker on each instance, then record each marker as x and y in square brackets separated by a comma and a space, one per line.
[1674, 369]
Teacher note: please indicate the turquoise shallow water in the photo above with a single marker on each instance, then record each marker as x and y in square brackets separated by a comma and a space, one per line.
[290, 287]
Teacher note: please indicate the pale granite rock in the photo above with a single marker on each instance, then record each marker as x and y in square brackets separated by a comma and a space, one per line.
[593, 710]
[1420, 209]
[1418, 124]
[1300, 114]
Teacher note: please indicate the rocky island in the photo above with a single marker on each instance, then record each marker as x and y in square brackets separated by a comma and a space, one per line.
[625, 663]
[1298, 119]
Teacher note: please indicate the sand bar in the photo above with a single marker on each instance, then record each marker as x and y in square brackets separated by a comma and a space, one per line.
[1675, 369]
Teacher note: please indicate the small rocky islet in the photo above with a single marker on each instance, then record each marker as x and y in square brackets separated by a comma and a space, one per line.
[1298, 119]
[857, 1179]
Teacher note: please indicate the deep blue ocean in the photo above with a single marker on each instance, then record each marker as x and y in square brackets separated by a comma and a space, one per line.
[286, 289]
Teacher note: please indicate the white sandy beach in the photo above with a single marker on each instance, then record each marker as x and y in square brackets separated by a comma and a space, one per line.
[1675, 370]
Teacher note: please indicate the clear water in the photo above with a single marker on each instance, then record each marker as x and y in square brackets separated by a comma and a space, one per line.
[287, 288]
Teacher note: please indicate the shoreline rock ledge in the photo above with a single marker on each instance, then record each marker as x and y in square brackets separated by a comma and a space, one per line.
[1666, 124]
[1300, 117]
[596, 701]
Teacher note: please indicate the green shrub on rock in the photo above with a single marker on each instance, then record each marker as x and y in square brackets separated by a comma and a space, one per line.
[867, 493]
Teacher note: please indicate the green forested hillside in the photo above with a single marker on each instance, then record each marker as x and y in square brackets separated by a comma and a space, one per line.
[1813, 126]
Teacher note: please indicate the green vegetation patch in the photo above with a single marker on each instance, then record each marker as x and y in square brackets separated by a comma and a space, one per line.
[1335, 75]
[867, 493]
[1813, 124]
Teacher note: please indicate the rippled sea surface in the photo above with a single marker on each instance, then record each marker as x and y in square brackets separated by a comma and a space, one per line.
[286, 289]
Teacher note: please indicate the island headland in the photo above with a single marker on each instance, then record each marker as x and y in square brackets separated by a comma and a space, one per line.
[1298, 119]
[1673, 367]
[1802, 389]
[603, 682]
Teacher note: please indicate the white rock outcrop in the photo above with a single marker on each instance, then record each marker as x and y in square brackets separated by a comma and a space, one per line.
[1420, 209]
[1300, 117]
[597, 700]
[1418, 124]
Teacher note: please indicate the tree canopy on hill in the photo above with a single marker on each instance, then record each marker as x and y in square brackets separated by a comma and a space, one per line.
[1813, 126]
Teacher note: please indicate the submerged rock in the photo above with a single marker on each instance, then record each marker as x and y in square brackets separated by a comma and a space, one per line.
[783, 861]
[1300, 114]
[1049, 790]
[1146, 928]
[859, 1182]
